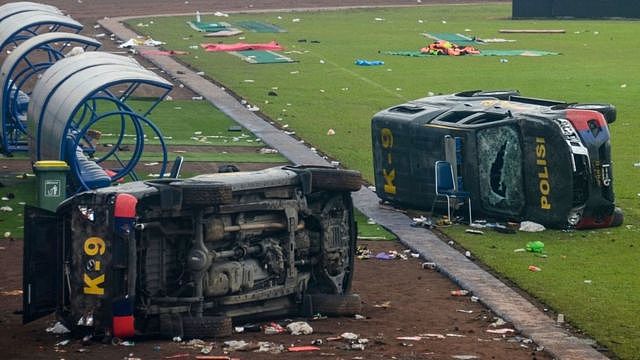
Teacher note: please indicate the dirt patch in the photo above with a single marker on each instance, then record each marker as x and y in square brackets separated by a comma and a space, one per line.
[400, 299]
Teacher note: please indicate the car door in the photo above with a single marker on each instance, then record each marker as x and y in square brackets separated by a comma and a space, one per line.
[41, 263]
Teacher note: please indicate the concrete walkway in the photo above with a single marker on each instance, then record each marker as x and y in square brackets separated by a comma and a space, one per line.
[499, 297]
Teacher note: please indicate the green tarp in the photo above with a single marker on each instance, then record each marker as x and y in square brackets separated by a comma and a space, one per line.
[259, 27]
[208, 27]
[261, 57]
[457, 39]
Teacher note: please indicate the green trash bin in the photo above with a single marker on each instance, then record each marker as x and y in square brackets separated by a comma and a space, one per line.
[52, 183]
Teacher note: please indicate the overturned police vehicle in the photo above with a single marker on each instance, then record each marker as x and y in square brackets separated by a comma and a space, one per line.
[183, 257]
[507, 156]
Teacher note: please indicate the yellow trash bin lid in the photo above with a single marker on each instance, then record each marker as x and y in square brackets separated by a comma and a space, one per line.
[45, 165]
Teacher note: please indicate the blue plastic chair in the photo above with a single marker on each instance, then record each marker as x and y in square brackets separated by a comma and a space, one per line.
[446, 186]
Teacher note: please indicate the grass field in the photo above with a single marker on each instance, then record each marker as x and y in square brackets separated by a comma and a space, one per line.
[589, 276]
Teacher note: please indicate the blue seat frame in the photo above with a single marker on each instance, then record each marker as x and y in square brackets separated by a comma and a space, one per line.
[446, 186]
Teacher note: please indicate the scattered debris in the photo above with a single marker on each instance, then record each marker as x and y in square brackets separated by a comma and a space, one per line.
[465, 311]
[302, 348]
[498, 322]
[58, 328]
[459, 292]
[560, 319]
[474, 231]
[273, 328]
[530, 226]
[235, 345]
[423, 222]
[299, 328]
[268, 151]
[409, 338]
[500, 331]
[534, 268]
[535, 246]
[349, 336]
[429, 265]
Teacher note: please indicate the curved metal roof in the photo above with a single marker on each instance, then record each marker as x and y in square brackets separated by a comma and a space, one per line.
[9, 9]
[16, 56]
[56, 75]
[16, 23]
[75, 90]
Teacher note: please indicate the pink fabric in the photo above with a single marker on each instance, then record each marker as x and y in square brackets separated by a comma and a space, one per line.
[242, 46]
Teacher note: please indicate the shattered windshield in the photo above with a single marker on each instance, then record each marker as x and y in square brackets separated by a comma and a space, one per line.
[500, 168]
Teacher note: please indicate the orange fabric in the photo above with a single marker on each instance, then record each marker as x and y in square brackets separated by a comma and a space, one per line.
[441, 47]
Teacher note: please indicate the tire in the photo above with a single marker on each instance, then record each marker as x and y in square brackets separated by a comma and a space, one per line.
[171, 326]
[204, 193]
[336, 305]
[206, 327]
[334, 179]
[607, 110]
[618, 217]
[499, 94]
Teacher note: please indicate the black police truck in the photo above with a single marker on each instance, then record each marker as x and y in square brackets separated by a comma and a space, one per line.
[517, 158]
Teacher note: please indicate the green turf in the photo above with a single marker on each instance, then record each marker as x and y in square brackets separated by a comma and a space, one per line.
[369, 230]
[232, 157]
[182, 122]
[18, 191]
[325, 90]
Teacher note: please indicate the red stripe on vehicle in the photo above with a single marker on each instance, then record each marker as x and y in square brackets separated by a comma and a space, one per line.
[125, 206]
[123, 326]
[580, 118]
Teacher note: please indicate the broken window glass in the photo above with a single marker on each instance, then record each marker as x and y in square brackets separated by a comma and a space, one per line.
[500, 169]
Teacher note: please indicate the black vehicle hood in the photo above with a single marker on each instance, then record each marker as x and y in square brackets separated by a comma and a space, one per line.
[548, 173]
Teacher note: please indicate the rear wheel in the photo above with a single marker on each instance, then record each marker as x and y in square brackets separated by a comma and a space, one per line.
[206, 327]
[334, 179]
[336, 305]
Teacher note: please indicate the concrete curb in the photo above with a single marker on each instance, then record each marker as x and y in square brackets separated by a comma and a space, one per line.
[499, 297]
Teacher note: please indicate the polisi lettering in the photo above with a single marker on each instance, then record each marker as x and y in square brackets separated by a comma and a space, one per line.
[543, 173]
[388, 172]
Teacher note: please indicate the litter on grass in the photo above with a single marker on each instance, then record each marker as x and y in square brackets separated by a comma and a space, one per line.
[362, 62]
[140, 42]
[530, 226]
